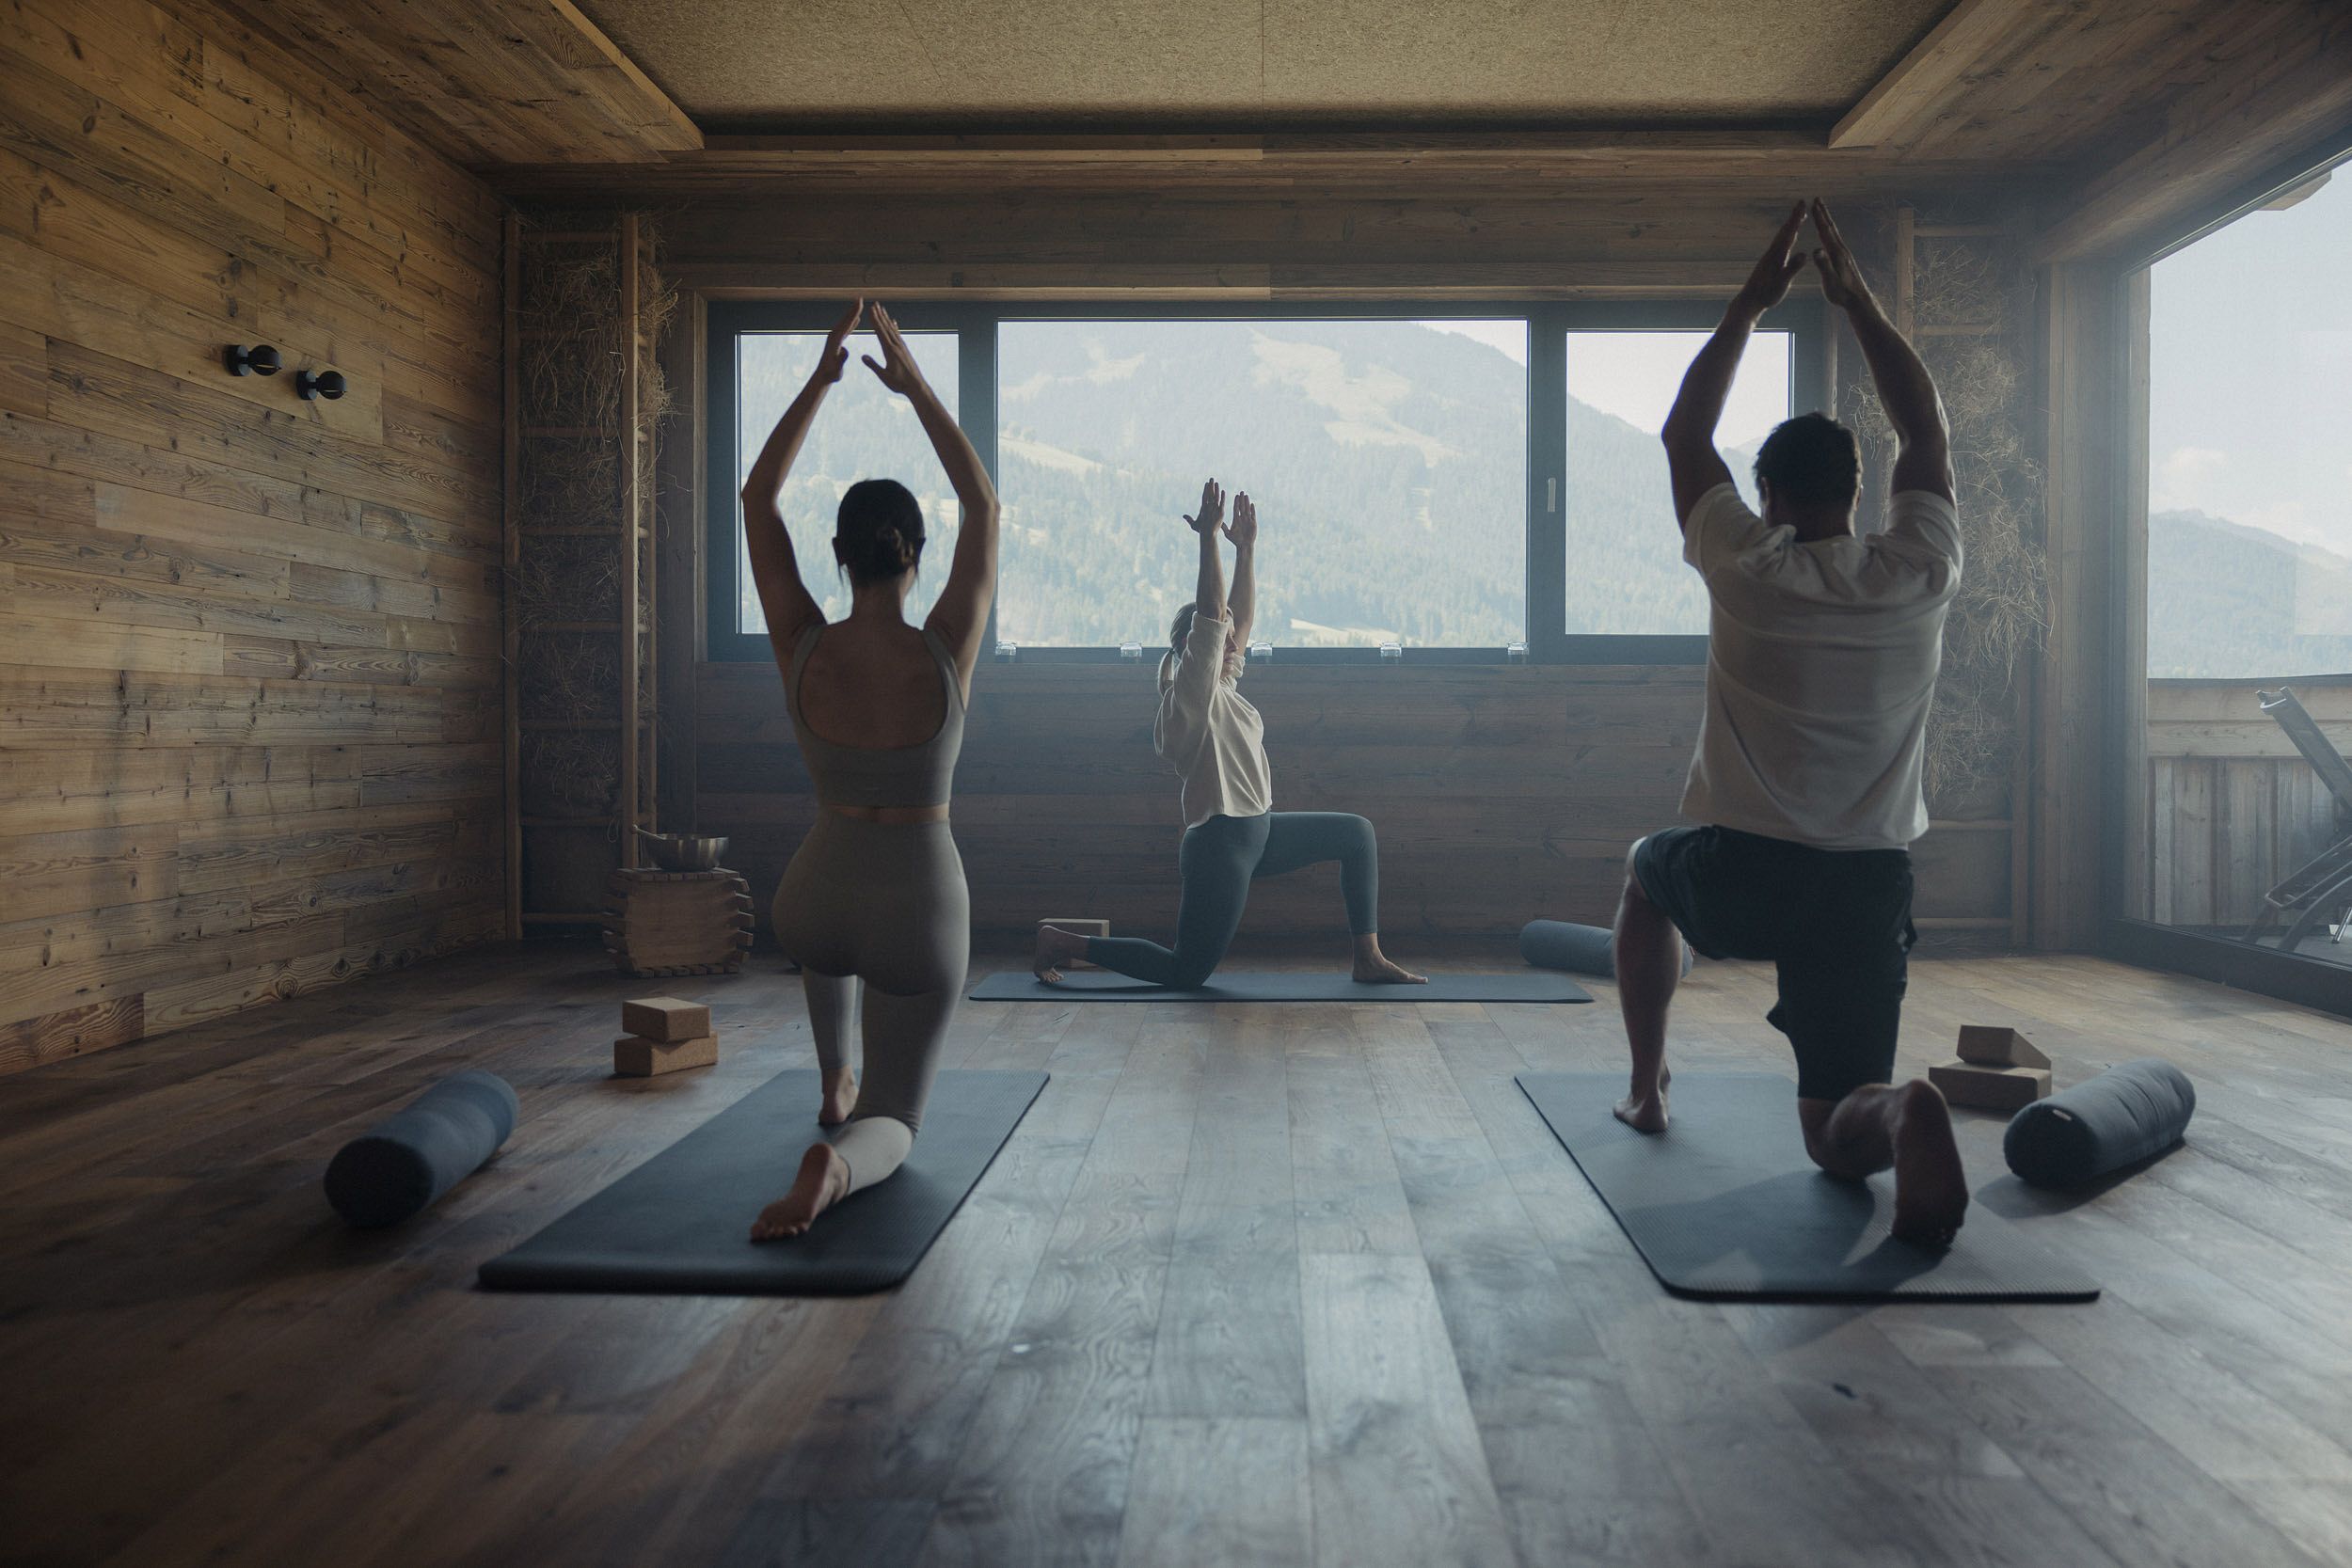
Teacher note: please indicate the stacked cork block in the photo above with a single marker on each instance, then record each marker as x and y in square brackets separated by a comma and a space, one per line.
[665, 1036]
[1998, 1070]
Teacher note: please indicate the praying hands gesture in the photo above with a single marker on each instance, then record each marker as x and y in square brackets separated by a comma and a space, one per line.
[898, 369]
[1842, 283]
[1767, 284]
[835, 357]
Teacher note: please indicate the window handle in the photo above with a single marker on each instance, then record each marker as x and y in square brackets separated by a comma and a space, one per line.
[1552, 495]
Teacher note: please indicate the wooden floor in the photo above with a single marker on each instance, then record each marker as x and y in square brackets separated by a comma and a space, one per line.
[1250, 1285]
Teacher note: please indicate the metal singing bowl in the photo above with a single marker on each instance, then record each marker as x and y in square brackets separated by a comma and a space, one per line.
[684, 851]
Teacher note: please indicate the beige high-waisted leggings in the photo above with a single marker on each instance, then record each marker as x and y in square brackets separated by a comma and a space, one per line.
[880, 920]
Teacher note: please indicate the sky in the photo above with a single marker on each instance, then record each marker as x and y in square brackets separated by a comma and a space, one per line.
[1635, 375]
[2249, 398]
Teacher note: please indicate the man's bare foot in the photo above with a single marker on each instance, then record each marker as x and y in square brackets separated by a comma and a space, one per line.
[840, 1096]
[1055, 947]
[1645, 1113]
[824, 1177]
[1931, 1187]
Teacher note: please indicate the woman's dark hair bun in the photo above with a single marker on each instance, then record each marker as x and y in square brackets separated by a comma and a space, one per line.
[878, 533]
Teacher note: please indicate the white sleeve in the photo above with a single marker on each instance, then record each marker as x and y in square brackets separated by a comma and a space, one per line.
[1720, 527]
[1197, 672]
[1923, 520]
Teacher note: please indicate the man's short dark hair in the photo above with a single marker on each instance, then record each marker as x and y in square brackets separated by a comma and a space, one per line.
[1811, 460]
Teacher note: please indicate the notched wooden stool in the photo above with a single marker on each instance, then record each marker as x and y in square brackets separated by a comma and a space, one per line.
[677, 922]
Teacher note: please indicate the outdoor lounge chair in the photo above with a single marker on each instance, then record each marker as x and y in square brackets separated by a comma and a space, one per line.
[2318, 892]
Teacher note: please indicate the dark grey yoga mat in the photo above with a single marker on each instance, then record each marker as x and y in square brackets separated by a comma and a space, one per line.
[1725, 1206]
[679, 1223]
[1281, 985]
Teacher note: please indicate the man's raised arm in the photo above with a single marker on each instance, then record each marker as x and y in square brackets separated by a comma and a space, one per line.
[1923, 458]
[1692, 459]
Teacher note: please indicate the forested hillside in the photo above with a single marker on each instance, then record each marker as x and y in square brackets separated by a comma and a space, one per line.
[1388, 463]
[2230, 601]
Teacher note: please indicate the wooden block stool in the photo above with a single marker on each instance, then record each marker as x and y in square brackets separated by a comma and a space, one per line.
[665, 1035]
[677, 922]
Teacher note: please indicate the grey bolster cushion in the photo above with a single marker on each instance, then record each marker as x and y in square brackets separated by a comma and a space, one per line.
[2125, 1113]
[396, 1168]
[1577, 949]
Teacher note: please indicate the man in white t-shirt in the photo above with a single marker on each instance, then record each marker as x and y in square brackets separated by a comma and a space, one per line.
[1822, 651]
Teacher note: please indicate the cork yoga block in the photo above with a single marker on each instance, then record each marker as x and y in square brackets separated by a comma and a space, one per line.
[1991, 1088]
[635, 1057]
[665, 1018]
[1998, 1045]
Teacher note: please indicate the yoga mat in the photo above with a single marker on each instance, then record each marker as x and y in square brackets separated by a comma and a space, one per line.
[680, 1223]
[1724, 1205]
[1280, 985]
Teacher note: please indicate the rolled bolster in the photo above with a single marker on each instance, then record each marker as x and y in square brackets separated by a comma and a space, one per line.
[2103, 1124]
[397, 1168]
[1577, 949]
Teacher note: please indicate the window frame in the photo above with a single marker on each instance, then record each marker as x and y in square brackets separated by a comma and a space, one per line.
[976, 325]
[2124, 681]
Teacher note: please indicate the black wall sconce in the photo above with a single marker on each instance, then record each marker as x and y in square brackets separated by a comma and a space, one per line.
[320, 384]
[260, 359]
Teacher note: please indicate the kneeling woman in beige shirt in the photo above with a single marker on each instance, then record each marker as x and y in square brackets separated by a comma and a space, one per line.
[1216, 739]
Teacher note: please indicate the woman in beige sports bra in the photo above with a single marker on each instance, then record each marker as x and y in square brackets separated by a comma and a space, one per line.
[873, 906]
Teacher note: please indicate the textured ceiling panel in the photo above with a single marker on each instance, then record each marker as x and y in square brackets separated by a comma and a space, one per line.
[744, 63]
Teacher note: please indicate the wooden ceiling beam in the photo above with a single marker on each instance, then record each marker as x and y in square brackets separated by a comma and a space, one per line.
[2286, 103]
[1925, 82]
[1568, 164]
[518, 82]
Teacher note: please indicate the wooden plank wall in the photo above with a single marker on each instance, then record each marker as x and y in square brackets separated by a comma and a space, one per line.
[249, 679]
[2231, 808]
[1501, 795]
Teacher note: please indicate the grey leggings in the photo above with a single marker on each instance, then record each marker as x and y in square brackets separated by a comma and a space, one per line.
[1219, 859]
[881, 921]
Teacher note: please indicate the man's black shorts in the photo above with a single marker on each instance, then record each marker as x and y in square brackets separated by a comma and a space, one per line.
[1837, 923]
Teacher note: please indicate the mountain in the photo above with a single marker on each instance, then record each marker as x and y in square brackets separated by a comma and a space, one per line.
[1387, 461]
[2227, 601]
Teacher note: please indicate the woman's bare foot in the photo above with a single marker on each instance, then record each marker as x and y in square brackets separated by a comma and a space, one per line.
[1055, 947]
[840, 1096]
[824, 1177]
[1645, 1113]
[1930, 1186]
[1374, 967]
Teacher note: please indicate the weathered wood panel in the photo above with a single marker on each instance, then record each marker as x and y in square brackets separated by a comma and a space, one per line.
[248, 645]
[1501, 795]
[2232, 807]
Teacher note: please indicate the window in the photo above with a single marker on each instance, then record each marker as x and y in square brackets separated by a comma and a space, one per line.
[864, 431]
[1387, 460]
[2249, 446]
[1626, 574]
[2236, 822]
[1451, 479]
